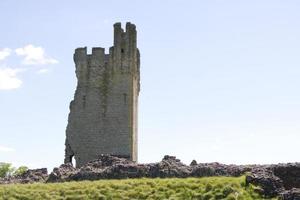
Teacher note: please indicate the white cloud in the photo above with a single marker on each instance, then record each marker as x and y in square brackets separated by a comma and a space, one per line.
[9, 79]
[43, 71]
[4, 53]
[6, 149]
[34, 55]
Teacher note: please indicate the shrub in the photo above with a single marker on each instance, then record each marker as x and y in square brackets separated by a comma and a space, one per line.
[6, 169]
[21, 170]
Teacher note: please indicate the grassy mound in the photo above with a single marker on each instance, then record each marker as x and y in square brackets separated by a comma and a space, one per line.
[145, 188]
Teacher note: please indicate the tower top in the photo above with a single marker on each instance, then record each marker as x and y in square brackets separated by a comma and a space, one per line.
[123, 41]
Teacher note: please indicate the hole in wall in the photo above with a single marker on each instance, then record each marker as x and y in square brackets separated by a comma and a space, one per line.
[71, 159]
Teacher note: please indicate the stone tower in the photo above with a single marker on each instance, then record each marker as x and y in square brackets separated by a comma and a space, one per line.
[103, 114]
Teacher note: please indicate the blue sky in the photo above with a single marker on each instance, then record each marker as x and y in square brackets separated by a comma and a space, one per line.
[219, 79]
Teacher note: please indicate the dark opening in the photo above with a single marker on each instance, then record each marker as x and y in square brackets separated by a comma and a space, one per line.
[83, 101]
[122, 50]
[71, 159]
[125, 97]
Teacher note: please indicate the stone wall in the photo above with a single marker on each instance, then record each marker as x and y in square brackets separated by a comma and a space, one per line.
[103, 114]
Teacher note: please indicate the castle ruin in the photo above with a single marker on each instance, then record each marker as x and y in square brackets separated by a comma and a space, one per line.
[103, 114]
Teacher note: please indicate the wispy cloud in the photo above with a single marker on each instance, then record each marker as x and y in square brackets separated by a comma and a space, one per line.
[43, 71]
[4, 53]
[9, 79]
[6, 149]
[34, 55]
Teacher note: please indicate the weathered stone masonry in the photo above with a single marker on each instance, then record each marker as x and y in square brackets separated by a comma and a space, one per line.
[103, 114]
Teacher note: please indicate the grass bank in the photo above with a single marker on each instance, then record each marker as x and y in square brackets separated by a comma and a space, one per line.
[172, 188]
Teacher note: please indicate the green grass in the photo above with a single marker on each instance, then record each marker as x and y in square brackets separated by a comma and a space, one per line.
[145, 188]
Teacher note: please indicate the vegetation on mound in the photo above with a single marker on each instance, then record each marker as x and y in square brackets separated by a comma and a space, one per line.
[6, 169]
[171, 188]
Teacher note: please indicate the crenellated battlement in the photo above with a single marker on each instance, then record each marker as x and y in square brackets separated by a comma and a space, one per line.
[124, 46]
[122, 58]
[81, 55]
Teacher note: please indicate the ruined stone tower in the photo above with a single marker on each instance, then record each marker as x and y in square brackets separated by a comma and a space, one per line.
[103, 114]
